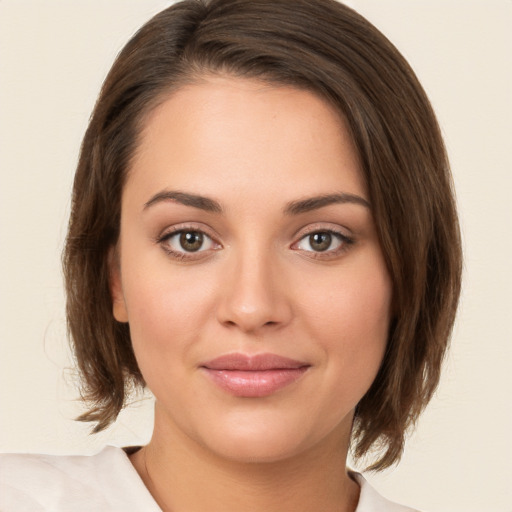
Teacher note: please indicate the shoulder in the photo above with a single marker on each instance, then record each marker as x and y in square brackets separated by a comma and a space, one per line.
[371, 501]
[105, 481]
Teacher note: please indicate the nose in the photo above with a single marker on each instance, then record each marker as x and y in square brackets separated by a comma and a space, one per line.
[254, 294]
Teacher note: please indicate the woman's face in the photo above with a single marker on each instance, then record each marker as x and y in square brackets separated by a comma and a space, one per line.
[249, 270]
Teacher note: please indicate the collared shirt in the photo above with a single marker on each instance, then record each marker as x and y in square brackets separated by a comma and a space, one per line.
[105, 482]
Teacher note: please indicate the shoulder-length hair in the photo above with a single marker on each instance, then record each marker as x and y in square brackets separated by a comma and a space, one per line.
[324, 47]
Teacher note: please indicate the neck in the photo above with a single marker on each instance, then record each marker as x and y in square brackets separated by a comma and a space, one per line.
[185, 476]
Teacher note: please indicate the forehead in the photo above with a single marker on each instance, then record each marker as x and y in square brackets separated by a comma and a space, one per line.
[230, 134]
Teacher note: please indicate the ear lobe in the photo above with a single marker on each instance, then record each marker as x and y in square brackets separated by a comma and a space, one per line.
[116, 289]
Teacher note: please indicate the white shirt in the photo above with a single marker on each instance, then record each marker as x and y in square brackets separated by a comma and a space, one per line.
[106, 482]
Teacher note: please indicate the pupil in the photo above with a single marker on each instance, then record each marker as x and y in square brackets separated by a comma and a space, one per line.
[191, 241]
[320, 241]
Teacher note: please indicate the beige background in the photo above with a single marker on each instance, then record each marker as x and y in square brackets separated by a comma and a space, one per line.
[53, 57]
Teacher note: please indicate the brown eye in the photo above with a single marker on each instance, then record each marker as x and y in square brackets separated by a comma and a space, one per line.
[191, 241]
[328, 243]
[321, 241]
[186, 242]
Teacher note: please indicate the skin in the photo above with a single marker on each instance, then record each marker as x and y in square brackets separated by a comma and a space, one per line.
[257, 285]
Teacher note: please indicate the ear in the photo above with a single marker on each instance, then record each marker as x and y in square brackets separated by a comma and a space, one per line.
[116, 289]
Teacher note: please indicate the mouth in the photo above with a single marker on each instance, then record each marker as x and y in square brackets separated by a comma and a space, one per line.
[254, 376]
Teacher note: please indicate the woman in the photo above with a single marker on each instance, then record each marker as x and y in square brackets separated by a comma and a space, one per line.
[263, 233]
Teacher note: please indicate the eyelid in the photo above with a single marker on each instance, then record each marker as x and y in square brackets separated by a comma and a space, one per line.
[327, 227]
[186, 226]
[346, 240]
[174, 230]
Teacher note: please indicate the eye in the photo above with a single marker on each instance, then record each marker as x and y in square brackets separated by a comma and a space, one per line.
[187, 241]
[323, 242]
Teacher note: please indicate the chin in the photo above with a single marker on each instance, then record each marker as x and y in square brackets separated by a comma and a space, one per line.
[256, 448]
[262, 439]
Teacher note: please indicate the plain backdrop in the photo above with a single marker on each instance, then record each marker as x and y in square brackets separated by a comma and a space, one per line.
[53, 57]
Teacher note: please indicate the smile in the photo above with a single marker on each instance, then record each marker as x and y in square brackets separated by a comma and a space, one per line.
[254, 376]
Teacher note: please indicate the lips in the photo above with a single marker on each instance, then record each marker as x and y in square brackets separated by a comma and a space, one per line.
[254, 376]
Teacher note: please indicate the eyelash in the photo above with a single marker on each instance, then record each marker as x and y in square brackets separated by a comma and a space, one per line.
[344, 243]
[163, 240]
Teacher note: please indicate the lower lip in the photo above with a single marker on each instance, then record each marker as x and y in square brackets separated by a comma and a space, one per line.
[255, 384]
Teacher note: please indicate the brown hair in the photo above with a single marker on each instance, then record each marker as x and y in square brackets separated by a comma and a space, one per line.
[327, 48]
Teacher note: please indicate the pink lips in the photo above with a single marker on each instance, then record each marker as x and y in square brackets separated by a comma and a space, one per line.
[254, 376]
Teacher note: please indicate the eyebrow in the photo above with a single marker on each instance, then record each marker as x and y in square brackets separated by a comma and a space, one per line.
[314, 203]
[292, 208]
[194, 200]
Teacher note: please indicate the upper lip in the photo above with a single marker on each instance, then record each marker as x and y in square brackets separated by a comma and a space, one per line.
[257, 362]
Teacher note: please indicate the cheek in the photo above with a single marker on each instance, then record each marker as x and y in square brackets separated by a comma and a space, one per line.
[164, 322]
[166, 309]
[358, 298]
[349, 315]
